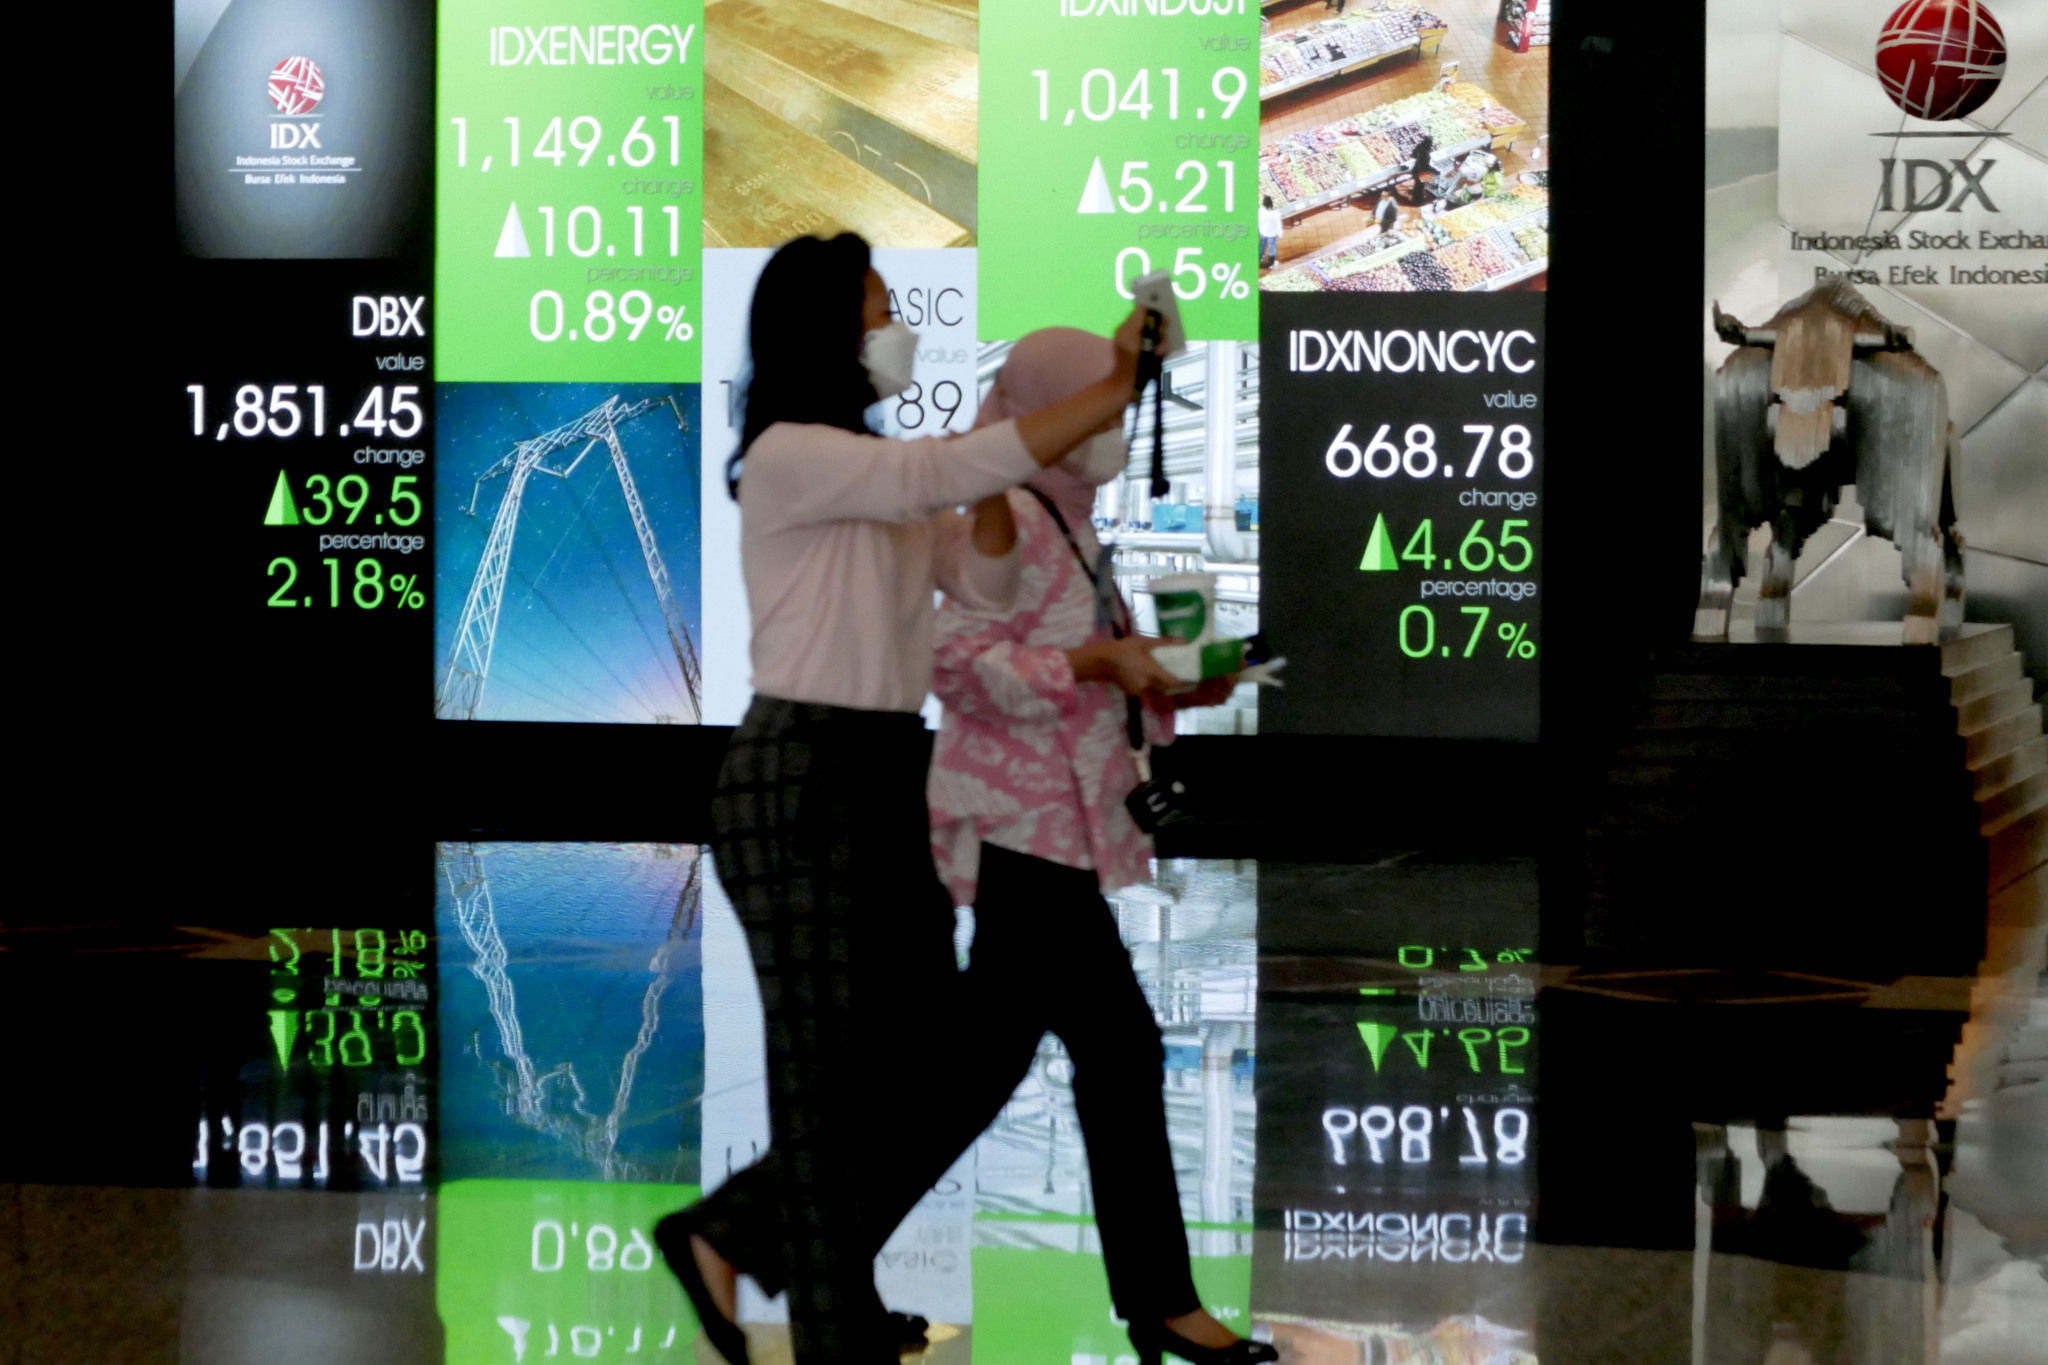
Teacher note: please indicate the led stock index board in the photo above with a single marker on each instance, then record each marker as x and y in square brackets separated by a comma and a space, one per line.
[449, 264]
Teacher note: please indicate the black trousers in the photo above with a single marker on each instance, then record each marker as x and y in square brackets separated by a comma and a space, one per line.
[822, 842]
[1048, 959]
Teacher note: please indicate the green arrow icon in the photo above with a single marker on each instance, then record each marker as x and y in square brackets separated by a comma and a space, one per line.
[1379, 550]
[1376, 1037]
[283, 511]
[284, 1030]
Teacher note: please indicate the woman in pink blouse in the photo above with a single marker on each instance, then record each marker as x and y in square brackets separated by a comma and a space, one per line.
[821, 836]
[1044, 700]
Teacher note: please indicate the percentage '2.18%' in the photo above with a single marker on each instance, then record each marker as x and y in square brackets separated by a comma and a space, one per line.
[369, 590]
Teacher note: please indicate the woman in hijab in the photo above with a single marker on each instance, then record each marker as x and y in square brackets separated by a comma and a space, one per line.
[1045, 701]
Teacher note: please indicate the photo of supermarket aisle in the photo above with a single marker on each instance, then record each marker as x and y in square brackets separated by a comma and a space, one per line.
[1348, 99]
[822, 116]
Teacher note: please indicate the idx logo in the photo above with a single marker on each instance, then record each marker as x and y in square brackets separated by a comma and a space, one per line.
[1929, 184]
[287, 136]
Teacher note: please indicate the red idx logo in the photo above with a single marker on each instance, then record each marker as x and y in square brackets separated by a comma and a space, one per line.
[1940, 59]
[296, 85]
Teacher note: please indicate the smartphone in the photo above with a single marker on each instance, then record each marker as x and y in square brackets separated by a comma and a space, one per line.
[1155, 291]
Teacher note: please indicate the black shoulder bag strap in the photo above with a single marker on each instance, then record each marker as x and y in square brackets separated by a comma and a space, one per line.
[1107, 614]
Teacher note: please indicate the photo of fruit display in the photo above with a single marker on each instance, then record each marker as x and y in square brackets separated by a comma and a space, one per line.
[1350, 92]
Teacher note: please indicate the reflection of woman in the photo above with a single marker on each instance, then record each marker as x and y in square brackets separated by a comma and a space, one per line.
[821, 835]
[1033, 762]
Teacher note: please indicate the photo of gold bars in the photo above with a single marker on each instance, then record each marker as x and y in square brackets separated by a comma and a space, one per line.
[822, 116]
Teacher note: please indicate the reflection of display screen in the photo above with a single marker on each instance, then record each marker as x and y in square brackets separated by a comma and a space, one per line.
[1398, 1130]
[505, 229]
[574, 1015]
[339, 1093]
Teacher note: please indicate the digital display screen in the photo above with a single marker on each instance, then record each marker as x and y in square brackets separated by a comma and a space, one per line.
[468, 287]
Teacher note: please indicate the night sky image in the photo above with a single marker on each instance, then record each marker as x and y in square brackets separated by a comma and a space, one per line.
[581, 634]
[571, 1011]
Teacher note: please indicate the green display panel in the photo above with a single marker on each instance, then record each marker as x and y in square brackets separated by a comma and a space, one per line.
[534, 1269]
[1036, 1304]
[1118, 138]
[569, 155]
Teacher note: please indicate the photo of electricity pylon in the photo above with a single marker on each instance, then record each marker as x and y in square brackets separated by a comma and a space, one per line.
[567, 553]
[572, 1002]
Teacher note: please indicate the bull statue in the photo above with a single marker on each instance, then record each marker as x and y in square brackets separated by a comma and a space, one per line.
[1828, 393]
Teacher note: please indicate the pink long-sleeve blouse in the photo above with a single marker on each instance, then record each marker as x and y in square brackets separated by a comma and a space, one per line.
[1028, 758]
[844, 536]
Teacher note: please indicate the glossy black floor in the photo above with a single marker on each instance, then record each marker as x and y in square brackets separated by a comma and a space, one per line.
[1400, 1135]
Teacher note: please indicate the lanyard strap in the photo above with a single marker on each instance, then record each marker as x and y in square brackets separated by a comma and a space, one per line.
[1134, 715]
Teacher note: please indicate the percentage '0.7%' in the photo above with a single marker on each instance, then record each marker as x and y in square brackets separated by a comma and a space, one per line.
[1418, 634]
[367, 588]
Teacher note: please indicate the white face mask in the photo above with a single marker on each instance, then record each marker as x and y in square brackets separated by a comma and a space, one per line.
[889, 354]
[1098, 459]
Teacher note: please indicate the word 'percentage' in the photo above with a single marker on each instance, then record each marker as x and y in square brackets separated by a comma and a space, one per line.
[1520, 646]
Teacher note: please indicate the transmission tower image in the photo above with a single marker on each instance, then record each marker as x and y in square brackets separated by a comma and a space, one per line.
[572, 1008]
[567, 553]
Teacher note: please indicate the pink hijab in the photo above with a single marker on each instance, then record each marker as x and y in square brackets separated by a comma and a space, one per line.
[1044, 367]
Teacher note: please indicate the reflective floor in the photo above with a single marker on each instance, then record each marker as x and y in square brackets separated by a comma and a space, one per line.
[1399, 1134]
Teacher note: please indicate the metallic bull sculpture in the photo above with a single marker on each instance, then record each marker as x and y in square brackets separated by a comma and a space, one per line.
[1828, 393]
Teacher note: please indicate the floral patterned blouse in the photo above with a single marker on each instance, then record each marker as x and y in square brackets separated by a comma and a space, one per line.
[1027, 758]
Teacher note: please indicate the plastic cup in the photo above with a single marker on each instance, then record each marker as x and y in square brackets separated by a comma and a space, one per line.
[1186, 604]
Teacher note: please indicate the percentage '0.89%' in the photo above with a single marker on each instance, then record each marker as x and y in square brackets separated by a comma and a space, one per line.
[549, 319]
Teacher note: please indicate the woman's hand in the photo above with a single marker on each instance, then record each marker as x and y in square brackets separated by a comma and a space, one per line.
[1129, 341]
[1208, 692]
[1127, 662]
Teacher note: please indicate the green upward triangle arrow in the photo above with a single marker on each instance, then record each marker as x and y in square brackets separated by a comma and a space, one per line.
[283, 511]
[1376, 1037]
[1379, 550]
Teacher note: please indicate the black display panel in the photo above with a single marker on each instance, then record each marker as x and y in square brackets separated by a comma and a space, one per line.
[1405, 461]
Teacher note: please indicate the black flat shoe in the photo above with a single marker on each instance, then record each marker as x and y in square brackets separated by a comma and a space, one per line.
[672, 1235]
[1150, 1343]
